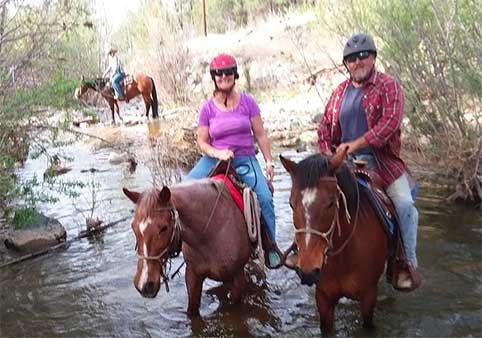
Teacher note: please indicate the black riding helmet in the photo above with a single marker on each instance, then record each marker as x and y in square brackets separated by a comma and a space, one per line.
[359, 42]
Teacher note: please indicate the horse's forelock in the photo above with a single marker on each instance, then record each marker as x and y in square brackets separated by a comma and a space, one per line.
[148, 203]
[309, 170]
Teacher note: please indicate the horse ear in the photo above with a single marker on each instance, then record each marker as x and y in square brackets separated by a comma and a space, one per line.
[132, 195]
[288, 164]
[165, 195]
[82, 78]
[337, 159]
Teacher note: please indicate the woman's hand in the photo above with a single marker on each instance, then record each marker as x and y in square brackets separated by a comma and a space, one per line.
[223, 154]
[270, 171]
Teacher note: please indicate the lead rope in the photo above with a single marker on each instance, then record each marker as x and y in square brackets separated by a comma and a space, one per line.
[252, 215]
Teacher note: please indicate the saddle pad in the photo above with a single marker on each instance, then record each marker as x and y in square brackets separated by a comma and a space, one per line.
[232, 190]
[385, 215]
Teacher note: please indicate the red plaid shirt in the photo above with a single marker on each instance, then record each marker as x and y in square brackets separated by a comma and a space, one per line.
[382, 103]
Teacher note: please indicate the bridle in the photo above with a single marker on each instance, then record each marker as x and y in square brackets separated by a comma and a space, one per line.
[171, 250]
[335, 223]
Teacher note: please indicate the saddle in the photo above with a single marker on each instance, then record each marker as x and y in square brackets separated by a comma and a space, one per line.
[400, 272]
[124, 84]
[128, 80]
[224, 169]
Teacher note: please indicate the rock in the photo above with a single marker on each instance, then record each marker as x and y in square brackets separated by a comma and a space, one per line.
[42, 234]
[116, 158]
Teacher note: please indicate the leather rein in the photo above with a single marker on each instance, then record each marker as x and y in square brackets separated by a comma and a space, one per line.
[335, 223]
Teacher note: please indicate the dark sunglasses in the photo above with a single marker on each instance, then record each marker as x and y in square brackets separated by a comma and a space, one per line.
[227, 72]
[360, 56]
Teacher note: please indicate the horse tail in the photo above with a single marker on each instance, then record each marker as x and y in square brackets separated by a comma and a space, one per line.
[154, 100]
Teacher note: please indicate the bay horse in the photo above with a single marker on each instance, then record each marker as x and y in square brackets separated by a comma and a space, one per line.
[341, 241]
[204, 217]
[142, 85]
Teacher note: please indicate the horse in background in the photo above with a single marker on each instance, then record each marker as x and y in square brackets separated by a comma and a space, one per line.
[200, 217]
[341, 241]
[141, 85]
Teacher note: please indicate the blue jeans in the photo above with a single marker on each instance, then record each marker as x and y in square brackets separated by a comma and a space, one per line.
[250, 173]
[115, 83]
[401, 196]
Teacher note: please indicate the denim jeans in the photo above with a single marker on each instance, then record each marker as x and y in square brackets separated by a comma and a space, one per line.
[401, 196]
[249, 172]
[115, 83]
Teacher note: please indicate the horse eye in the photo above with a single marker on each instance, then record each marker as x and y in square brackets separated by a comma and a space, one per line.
[331, 204]
[162, 229]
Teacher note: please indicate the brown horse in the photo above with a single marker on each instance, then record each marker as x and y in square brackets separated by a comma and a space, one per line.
[342, 244]
[142, 84]
[204, 217]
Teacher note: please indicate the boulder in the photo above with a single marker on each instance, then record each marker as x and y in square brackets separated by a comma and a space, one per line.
[40, 235]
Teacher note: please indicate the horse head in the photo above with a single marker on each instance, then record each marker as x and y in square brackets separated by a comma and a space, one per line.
[156, 228]
[315, 201]
[81, 88]
[97, 84]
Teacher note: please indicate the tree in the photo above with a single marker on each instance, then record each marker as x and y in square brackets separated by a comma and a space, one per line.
[37, 63]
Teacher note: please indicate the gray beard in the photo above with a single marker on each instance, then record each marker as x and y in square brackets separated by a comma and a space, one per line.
[361, 79]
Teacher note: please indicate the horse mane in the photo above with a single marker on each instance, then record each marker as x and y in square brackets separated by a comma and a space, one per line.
[96, 83]
[308, 172]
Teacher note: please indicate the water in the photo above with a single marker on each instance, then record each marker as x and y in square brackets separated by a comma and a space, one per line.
[86, 290]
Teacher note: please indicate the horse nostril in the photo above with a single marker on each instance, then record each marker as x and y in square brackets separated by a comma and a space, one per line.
[149, 290]
[309, 278]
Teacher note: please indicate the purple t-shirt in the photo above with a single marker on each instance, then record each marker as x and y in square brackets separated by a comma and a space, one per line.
[231, 129]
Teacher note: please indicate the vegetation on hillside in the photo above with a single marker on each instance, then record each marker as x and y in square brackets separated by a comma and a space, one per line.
[433, 47]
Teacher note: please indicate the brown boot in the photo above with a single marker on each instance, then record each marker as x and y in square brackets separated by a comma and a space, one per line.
[405, 276]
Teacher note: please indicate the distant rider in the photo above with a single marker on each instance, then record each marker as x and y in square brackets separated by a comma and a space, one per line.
[116, 73]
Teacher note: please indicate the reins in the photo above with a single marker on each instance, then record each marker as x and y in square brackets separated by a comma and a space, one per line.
[217, 198]
[340, 249]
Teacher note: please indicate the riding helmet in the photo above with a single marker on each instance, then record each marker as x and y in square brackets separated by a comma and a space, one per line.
[223, 62]
[359, 42]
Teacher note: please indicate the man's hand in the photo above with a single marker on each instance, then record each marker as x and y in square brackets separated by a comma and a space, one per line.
[353, 146]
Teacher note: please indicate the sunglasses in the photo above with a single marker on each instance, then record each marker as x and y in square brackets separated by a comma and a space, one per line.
[227, 72]
[360, 56]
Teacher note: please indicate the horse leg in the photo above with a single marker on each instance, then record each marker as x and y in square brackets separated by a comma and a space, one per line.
[117, 110]
[239, 286]
[147, 102]
[326, 309]
[368, 303]
[112, 107]
[194, 285]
